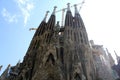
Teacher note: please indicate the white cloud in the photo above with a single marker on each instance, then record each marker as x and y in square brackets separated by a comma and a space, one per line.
[25, 6]
[8, 17]
[29, 7]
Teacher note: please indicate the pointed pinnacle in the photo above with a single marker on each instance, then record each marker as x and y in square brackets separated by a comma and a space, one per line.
[54, 10]
[46, 16]
[9, 65]
[68, 6]
[76, 10]
[0, 68]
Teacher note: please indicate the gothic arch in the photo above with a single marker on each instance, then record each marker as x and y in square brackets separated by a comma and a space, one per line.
[50, 59]
[77, 77]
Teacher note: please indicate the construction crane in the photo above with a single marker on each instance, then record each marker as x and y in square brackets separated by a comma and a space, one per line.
[73, 6]
[32, 29]
[63, 11]
[81, 5]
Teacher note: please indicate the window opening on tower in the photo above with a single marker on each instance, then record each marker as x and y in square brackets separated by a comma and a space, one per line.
[61, 54]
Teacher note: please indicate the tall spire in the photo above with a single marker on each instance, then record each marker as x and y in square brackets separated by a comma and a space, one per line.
[54, 10]
[51, 21]
[78, 22]
[76, 10]
[46, 16]
[69, 17]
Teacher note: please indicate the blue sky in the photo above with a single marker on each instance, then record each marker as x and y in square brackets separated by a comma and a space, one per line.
[101, 18]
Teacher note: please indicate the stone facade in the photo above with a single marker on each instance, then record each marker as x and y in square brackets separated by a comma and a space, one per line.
[59, 53]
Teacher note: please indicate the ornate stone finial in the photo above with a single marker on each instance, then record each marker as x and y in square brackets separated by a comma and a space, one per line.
[76, 10]
[54, 10]
[46, 16]
[68, 6]
[9, 65]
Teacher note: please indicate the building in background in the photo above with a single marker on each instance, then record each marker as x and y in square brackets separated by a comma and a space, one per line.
[117, 67]
[103, 63]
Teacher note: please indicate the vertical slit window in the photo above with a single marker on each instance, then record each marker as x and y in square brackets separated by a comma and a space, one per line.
[47, 38]
[68, 34]
[37, 45]
[34, 45]
[39, 30]
[78, 37]
[43, 29]
[62, 54]
[71, 34]
[74, 36]
[57, 52]
[81, 37]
